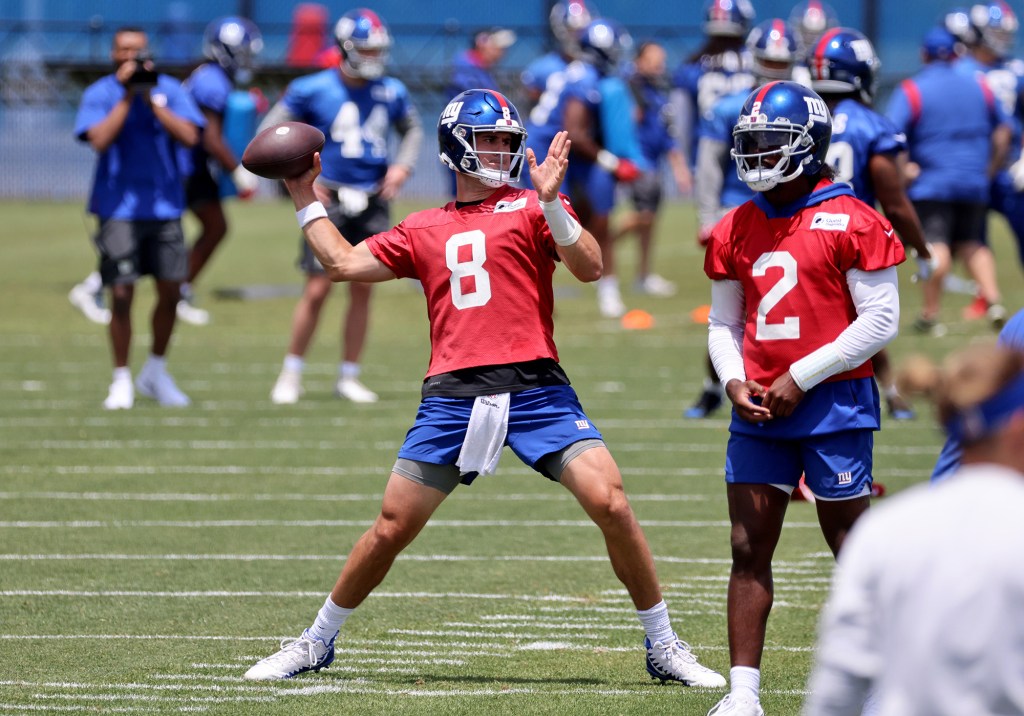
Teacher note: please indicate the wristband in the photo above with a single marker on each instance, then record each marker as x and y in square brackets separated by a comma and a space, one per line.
[565, 230]
[607, 161]
[817, 366]
[310, 213]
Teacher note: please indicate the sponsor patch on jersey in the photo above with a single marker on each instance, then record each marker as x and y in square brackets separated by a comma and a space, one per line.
[830, 222]
[516, 205]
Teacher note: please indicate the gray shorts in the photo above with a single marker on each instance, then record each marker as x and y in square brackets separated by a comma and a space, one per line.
[952, 222]
[130, 249]
[646, 191]
[375, 219]
[446, 477]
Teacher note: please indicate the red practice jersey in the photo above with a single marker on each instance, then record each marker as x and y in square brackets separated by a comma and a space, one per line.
[792, 266]
[486, 272]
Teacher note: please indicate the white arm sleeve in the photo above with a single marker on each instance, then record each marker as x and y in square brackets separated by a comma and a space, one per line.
[876, 297]
[725, 330]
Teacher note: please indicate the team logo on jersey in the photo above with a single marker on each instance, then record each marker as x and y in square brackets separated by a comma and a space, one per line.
[830, 222]
[516, 205]
[582, 425]
[845, 478]
[451, 113]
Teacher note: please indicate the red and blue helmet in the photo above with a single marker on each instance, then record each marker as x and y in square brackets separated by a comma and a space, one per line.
[364, 41]
[783, 132]
[605, 44]
[568, 18]
[811, 19]
[474, 112]
[233, 43]
[844, 61]
[773, 41]
[996, 24]
[728, 18]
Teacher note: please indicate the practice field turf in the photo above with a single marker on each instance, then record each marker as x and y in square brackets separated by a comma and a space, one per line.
[148, 557]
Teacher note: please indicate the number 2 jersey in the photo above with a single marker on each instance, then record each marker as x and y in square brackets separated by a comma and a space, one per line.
[486, 272]
[792, 263]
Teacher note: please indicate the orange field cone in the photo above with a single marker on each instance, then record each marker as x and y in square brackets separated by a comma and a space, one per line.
[637, 320]
[700, 314]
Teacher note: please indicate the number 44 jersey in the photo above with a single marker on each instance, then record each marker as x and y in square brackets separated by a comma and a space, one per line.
[486, 270]
[792, 264]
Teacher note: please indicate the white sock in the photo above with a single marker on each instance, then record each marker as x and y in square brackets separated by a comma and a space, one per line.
[608, 283]
[657, 624]
[294, 363]
[156, 364]
[745, 681]
[123, 374]
[93, 283]
[348, 369]
[328, 621]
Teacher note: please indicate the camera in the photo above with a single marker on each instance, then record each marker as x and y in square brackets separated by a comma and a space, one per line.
[145, 74]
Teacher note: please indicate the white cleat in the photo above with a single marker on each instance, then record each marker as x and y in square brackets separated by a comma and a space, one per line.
[676, 662]
[733, 706]
[355, 391]
[296, 656]
[192, 314]
[160, 387]
[121, 396]
[609, 301]
[90, 303]
[288, 388]
[655, 285]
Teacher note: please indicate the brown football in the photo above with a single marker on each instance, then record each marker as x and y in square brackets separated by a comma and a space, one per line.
[283, 151]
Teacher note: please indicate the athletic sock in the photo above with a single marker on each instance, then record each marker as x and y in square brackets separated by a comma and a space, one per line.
[294, 363]
[348, 369]
[122, 374]
[328, 621]
[155, 364]
[657, 623]
[745, 681]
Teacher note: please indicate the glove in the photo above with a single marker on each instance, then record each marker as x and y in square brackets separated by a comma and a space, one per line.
[925, 267]
[1017, 174]
[245, 182]
[622, 169]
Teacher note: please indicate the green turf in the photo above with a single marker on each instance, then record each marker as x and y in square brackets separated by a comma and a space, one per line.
[148, 557]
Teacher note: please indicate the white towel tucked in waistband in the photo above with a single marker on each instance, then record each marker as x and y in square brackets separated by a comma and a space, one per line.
[485, 435]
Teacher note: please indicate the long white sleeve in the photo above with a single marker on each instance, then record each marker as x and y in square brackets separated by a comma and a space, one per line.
[725, 330]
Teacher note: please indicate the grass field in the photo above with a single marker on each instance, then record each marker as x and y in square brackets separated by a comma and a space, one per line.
[148, 557]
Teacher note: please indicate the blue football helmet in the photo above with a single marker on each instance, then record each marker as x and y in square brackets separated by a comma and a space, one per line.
[783, 131]
[364, 41]
[728, 18]
[811, 19]
[996, 24]
[605, 43]
[844, 61]
[958, 23]
[773, 41]
[479, 111]
[233, 43]
[568, 19]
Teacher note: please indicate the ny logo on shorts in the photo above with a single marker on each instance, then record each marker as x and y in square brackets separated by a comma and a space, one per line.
[845, 478]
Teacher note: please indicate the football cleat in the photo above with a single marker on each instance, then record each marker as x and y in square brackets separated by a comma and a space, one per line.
[192, 314]
[736, 706]
[288, 388]
[676, 662]
[121, 396]
[996, 315]
[708, 402]
[160, 386]
[655, 285]
[609, 299]
[355, 391]
[899, 409]
[90, 303]
[295, 657]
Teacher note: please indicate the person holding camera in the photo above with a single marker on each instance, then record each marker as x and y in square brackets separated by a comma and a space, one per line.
[137, 120]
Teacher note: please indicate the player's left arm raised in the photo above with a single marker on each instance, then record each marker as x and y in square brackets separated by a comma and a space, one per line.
[576, 246]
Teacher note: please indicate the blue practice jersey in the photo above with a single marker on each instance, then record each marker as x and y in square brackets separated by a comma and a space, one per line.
[655, 128]
[140, 176]
[545, 119]
[468, 73]
[948, 118]
[706, 81]
[718, 126]
[859, 133]
[210, 87]
[1006, 81]
[355, 122]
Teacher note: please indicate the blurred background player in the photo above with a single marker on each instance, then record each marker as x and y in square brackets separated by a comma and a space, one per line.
[356, 106]
[650, 87]
[869, 154]
[600, 117]
[954, 155]
[230, 46]
[774, 50]
[137, 119]
[793, 354]
[810, 20]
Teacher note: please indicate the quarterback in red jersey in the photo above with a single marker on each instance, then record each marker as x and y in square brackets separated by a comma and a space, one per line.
[485, 262]
[804, 292]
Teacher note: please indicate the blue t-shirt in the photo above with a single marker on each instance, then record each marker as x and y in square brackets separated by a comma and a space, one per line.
[859, 133]
[717, 126]
[468, 73]
[354, 120]
[617, 119]
[654, 130]
[948, 118]
[1006, 81]
[140, 176]
[210, 87]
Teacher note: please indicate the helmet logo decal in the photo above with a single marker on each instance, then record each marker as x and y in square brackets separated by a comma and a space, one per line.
[451, 113]
[817, 111]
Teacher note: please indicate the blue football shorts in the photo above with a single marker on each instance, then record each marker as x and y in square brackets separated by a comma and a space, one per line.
[541, 421]
[587, 182]
[836, 466]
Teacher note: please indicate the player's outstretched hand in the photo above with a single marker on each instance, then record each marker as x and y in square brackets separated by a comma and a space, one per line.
[740, 393]
[547, 177]
[783, 397]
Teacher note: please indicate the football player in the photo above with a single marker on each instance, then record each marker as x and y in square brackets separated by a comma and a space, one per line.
[804, 292]
[868, 153]
[356, 105]
[486, 262]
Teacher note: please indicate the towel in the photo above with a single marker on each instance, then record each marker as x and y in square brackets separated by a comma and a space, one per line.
[485, 435]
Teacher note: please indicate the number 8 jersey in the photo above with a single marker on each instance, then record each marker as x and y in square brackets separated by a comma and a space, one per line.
[486, 271]
[792, 265]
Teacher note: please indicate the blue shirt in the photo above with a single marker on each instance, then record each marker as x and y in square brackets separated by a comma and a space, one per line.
[706, 81]
[858, 134]
[718, 126]
[1006, 81]
[654, 129]
[617, 120]
[210, 87]
[354, 120]
[948, 118]
[468, 73]
[545, 119]
[140, 175]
